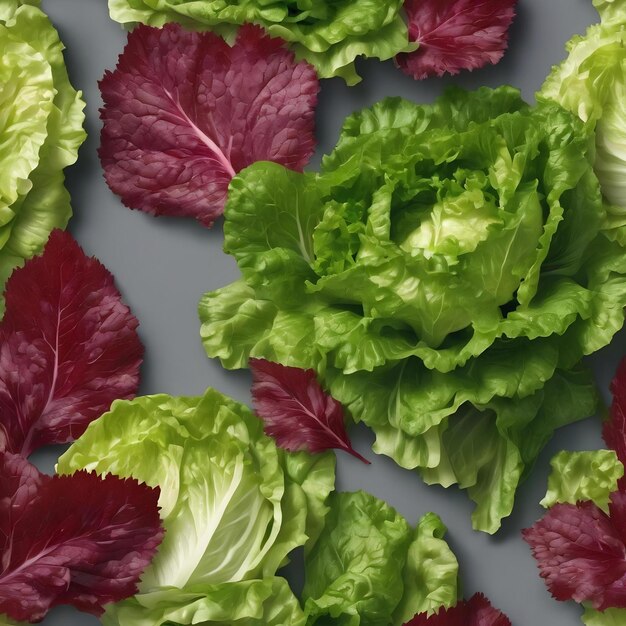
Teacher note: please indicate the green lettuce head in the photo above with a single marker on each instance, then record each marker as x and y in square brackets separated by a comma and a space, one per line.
[591, 83]
[40, 132]
[445, 273]
[233, 507]
[329, 34]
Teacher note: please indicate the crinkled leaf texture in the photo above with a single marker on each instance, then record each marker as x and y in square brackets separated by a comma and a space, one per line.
[579, 544]
[329, 34]
[370, 568]
[41, 136]
[591, 83]
[78, 539]
[444, 275]
[455, 35]
[296, 411]
[68, 348]
[477, 611]
[581, 476]
[223, 483]
[581, 552]
[184, 111]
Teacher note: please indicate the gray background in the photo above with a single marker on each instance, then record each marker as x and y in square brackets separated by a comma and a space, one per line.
[164, 265]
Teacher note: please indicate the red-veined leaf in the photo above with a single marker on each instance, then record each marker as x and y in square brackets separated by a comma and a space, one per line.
[78, 539]
[68, 348]
[296, 411]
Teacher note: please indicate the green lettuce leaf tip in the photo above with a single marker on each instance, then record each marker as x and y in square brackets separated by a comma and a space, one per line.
[610, 617]
[581, 476]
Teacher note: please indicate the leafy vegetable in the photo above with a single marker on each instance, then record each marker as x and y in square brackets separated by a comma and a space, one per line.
[369, 568]
[184, 111]
[591, 83]
[581, 552]
[296, 411]
[72, 539]
[444, 274]
[39, 136]
[610, 617]
[69, 347]
[329, 34]
[455, 35]
[578, 476]
[580, 544]
[223, 483]
[477, 611]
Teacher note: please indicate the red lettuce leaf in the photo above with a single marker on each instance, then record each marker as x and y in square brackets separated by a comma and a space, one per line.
[614, 430]
[477, 611]
[79, 539]
[183, 112]
[581, 554]
[296, 411]
[68, 348]
[455, 35]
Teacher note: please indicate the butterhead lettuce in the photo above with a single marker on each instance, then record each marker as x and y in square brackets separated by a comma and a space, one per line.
[40, 132]
[444, 274]
[233, 507]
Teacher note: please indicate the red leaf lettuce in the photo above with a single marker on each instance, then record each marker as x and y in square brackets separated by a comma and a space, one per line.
[184, 112]
[455, 35]
[68, 348]
[78, 539]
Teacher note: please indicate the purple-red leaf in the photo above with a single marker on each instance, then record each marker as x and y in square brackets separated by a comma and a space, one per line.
[68, 348]
[477, 611]
[455, 35]
[296, 411]
[79, 539]
[183, 112]
[581, 554]
[614, 431]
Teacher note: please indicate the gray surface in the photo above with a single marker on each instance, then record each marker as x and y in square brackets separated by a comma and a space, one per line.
[164, 265]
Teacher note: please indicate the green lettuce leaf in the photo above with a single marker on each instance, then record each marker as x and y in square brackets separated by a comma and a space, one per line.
[328, 34]
[369, 568]
[431, 572]
[267, 602]
[610, 617]
[40, 139]
[223, 482]
[580, 476]
[444, 273]
[591, 83]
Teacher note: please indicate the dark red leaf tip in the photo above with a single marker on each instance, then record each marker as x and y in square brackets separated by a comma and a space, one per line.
[296, 411]
[477, 611]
